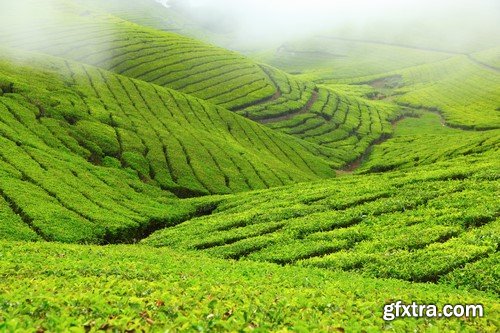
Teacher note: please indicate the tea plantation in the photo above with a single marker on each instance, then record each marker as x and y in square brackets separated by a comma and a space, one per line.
[219, 76]
[461, 86]
[151, 181]
[119, 288]
[397, 225]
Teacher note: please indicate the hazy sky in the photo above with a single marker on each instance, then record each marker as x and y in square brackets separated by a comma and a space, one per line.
[283, 19]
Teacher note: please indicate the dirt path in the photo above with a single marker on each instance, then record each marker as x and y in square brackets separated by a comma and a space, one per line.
[305, 109]
[482, 64]
[356, 164]
[353, 166]
[274, 97]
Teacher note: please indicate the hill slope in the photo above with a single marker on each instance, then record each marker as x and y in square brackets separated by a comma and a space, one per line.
[419, 141]
[399, 224]
[343, 60]
[465, 92]
[220, 172]
[438, 201]
[343, 126]
[157, 289]
[74, 31]
[463, 87]
[62, 119]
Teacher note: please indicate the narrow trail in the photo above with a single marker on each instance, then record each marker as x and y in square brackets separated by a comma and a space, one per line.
[482, 64]
[391, 44]
[305, 109]
[356, 164]
[443, 119]
[274, 97]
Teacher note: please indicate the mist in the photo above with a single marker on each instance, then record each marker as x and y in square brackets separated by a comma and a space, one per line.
[461, 26]
[20, 21]
[37, 25]
[265, 23]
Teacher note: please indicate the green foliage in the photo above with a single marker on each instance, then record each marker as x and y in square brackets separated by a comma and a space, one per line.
[488, 57]
[221, 169]
[98, 134]
[12, 226]
[464, 88]
[116, 288]
[342, 60]
[339, 132]
[398, 225]
[136, 162]
[419, 141]
[481, 275]
[163, 58]
[464, 91]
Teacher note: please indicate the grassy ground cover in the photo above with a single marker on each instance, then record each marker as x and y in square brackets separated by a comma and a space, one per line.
[106, 156]
[400, 224]
[216, 174]
[54, 287]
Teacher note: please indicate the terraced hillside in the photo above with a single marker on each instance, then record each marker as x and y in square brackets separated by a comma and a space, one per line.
[153, 14]
[488, 57]
[166, 59]
[342, 60]
[58, 115]
[465, 92]
[152, 182]
[419, 141]
[342, 126]
[438, 201]
[397, 225]
[463, 87]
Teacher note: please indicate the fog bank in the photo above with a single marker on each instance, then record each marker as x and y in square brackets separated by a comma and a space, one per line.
[257, 23]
